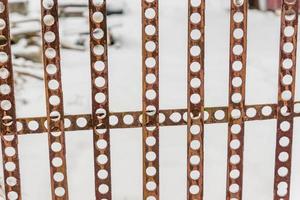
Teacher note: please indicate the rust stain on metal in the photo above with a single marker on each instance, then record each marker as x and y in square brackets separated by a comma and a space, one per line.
[101, 120]
[100, 102]
[212, 115]
[236, 110]
[54, 99]
[9, 137]
[195, 100]
[286, 94]
[150, 123]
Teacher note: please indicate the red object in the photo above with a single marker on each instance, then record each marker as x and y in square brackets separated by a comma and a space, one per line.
[275, 4]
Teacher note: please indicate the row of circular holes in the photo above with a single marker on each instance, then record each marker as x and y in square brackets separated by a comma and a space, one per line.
[236, 98]
[50, 53]
[283, 157]
[195, 51]
[237, 65]
[150, 94]
[99, 50]
[5, 89]
[195, 98]
[286, 95]
[237, 82]
[6, 105]
[10, 166]
[100, 97]
[151, 157]
[175, 117]
[287, 64]
[150, 62]
[54, 100]
[238, 33]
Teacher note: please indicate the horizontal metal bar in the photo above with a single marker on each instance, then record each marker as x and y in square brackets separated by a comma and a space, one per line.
[168, 117]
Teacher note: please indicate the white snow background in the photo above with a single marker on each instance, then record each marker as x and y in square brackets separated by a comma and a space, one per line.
[125, 75]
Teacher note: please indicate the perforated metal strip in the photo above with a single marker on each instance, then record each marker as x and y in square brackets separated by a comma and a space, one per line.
[176, 117]
[286, 93]
[150, 100]
[236, 110]
[100, 103]
[54, 99]
[195, 101]
[9, 138]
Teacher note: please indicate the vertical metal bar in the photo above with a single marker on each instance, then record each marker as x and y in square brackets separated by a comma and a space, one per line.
[195, 101]
[286, 94]
[9, 138]
[54, 99]
[150, 35]
[100, 99]
[236, 110]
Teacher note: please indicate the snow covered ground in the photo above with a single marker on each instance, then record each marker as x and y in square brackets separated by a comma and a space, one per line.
[126, 93]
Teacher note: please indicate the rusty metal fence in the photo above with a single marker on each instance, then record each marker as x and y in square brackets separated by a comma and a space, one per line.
[151, 117]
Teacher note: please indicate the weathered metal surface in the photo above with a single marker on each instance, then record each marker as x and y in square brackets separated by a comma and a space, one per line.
[101, 120]
[286, 94]
[54, 99]
[236, 110]
[172, 117]
[100, 99]
[150, 123]
[9, 138]
[195, 100]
